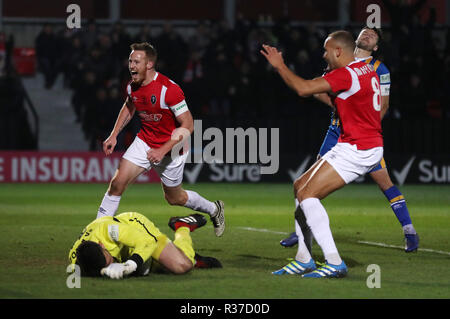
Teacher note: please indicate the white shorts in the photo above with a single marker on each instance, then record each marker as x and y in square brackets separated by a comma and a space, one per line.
[350, 163]
[169, 170]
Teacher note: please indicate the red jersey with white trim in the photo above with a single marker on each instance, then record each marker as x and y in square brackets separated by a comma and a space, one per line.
[358, 104]
[157, 105]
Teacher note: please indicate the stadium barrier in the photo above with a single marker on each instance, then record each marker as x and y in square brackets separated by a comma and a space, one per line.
[62, 167]
[403, 168]
[95, 167]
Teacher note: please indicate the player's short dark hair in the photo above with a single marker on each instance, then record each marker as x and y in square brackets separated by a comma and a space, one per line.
[90, 258]
[345, 38]
[149, 50]
[378, 31]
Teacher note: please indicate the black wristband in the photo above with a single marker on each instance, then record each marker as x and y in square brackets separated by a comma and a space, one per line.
[137, 259]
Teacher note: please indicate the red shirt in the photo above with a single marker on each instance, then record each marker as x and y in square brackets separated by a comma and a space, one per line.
[155, 105]
[358, 104]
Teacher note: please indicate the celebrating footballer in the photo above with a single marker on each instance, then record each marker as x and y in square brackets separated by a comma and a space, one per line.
[165, 121]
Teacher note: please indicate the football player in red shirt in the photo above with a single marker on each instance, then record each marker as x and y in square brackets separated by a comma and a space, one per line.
[355, 88]
[367, 42]
[165, 122]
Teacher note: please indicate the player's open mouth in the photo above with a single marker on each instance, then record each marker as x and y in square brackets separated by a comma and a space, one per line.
[134, 75]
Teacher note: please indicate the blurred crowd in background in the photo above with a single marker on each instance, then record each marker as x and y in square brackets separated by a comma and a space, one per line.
[223, 74]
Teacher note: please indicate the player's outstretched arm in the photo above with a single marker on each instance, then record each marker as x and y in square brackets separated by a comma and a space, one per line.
[303, 87]
[125, 115]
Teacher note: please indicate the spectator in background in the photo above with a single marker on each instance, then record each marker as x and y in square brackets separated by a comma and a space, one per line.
[15, 130]
[243, 104]
[199, 41]
[120, 39]
[294, 43]
[402, 11]
[219, 78]
[73, 61]
[47, 54]
[89, 35]
[144, 34]
[171, 47]
[303, 65]
[315, 52]
[414, 98]
[212, 63]
[97, 117]
[84, 91]
[193, 82]
[390, 51]
[100, 63]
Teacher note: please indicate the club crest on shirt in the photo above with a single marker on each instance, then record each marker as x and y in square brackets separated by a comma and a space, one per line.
[153, 99]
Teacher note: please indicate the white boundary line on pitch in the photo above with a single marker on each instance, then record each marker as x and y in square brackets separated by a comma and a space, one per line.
[263, 230]
[370, 243]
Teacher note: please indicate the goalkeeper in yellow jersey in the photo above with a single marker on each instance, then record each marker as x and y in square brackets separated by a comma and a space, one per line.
[130, 244]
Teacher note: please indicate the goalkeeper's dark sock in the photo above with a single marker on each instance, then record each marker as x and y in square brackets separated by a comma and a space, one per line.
[398, 205]
[300, 221]
[303, 253]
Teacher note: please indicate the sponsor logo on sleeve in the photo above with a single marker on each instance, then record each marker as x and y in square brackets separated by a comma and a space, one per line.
[385, 78]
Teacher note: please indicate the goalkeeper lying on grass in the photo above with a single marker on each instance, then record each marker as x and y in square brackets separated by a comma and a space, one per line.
[130, 244]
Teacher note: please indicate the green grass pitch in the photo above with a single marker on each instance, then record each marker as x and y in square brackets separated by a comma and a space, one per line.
[39, 223]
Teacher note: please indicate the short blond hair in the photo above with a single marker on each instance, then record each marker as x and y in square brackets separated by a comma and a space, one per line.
[149, 50]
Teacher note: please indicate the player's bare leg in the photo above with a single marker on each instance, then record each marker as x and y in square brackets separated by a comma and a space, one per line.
[125, 174]
[174, 259]
[177, 263]
[300, 182]
[190, 199]
[398, 205]
[381, 177]
[175, 195]
[322, 181]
